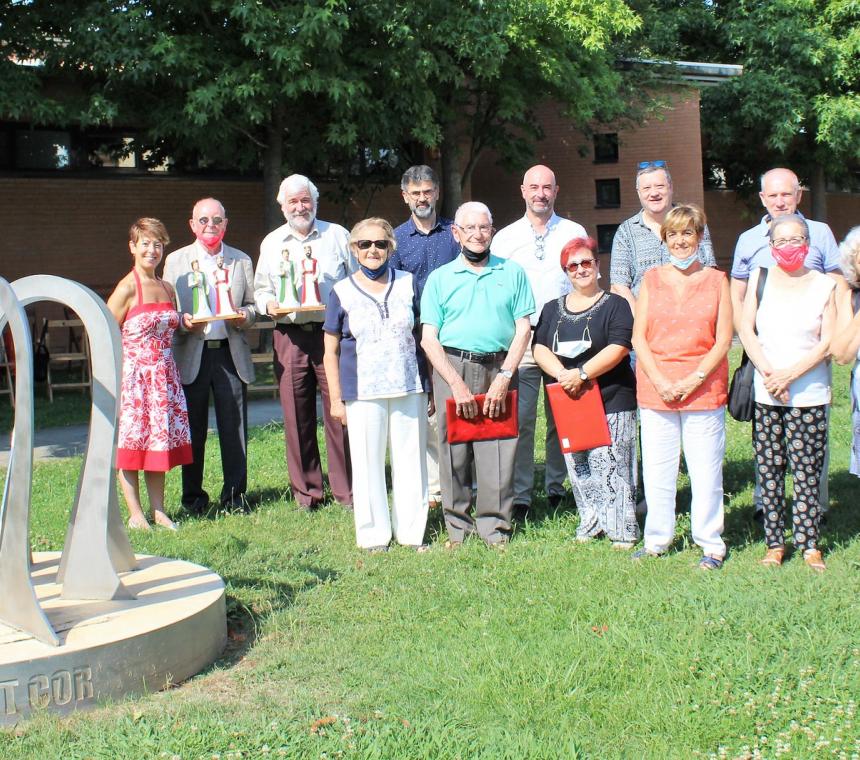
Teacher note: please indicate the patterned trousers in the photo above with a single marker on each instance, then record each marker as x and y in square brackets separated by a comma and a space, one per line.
[798, 435]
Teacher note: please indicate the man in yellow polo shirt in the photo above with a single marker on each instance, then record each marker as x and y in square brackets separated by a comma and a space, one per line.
[475, 317]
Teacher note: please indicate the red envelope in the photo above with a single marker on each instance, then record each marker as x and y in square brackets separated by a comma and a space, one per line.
[481, 428]
[580, 422]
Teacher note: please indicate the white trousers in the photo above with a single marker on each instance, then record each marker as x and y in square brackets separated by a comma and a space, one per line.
[372, 426]
[703, 435]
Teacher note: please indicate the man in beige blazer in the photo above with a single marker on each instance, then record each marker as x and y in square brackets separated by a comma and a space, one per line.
[214, 357]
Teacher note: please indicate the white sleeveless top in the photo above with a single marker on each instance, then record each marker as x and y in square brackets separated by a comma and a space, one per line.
[789, 326]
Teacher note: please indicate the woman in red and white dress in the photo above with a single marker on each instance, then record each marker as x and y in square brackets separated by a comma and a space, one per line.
[153, 423]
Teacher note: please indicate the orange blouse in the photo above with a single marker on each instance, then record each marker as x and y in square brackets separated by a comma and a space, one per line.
[679, 332]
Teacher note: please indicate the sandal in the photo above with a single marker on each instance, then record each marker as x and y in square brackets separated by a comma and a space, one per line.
[419, 548]
[138, 523]
[814, 561]
[710, 563]
[773, 556]
[161, 520]
[381, 549]
[453, 544]
[643, 553]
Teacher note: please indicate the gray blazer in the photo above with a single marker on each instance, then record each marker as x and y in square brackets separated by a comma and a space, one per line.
[188, 346]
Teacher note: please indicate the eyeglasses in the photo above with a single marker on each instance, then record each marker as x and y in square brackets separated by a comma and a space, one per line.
[782, 242]
[216, 221]
[586, 264]
[471, 229]
[650, 165]
[540, 246]
[364, 245]
[421, 193]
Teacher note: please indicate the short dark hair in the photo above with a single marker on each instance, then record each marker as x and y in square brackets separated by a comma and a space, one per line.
[414, 175]
[577, 244]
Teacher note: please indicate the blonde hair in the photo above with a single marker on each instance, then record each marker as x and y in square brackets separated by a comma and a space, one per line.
[849, 248]
[374, 221]
[150, 227]
[682, 217]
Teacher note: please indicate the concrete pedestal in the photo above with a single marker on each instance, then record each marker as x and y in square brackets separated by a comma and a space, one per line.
[174, 628]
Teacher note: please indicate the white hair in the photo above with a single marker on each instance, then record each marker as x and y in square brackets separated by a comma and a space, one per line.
[472, 207]
[849, 248]
[295, 183]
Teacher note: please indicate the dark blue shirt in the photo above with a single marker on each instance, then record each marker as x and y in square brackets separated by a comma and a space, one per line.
[420, 254]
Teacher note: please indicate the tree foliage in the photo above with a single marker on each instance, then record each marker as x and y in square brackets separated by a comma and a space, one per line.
[332, 88]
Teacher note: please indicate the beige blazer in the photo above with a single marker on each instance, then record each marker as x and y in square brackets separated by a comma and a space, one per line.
[188, 346]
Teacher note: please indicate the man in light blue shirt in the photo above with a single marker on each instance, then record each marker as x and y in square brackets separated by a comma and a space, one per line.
[475, 328]
[780, 195]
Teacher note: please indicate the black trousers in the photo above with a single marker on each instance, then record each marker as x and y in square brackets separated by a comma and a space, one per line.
[218, 375]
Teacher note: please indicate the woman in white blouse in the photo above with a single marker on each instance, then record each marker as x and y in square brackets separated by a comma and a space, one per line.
[787, 336]
[379, 387]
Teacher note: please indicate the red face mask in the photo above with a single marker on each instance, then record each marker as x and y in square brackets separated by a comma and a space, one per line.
[790, 257]
[211, 239]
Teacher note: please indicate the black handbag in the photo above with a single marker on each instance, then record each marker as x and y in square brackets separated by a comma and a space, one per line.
[741, 400]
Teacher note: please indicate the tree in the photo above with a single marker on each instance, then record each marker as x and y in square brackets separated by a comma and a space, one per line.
[327, 87]
[797, 102]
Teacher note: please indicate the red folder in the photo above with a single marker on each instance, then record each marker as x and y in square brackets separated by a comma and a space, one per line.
[580, 422]
[481, 428]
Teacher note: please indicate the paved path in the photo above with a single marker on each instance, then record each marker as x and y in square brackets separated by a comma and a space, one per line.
[55, 443]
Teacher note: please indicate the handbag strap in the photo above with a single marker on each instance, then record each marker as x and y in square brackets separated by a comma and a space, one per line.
[759, 290]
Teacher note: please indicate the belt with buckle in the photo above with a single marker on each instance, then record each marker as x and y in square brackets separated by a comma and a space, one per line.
[223, 343]
[474, 356]
[306, 326]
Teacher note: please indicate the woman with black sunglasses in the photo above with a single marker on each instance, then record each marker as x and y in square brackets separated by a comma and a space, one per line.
[379, 387]
[583, 338]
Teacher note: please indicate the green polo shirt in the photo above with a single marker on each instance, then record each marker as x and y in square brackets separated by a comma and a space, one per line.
[476, 310]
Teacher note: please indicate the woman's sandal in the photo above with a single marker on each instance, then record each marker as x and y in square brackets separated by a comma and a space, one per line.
[814, 560]
[710, 563]
[138, 523]
[773, 556]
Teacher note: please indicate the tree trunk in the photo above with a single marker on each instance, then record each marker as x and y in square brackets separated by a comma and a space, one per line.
[452, 181]
[818, 190]
[272, 158]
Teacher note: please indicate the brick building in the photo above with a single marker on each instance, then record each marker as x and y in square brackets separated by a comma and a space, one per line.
[75, 226]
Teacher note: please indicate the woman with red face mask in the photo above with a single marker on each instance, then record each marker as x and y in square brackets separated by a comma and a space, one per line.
[787, 337]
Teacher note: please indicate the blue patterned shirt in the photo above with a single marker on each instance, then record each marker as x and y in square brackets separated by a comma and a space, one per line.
[420, 254]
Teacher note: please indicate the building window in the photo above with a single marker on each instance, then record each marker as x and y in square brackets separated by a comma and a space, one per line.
[605, 236]
[43, 149]
[606, 148]
[608, 193]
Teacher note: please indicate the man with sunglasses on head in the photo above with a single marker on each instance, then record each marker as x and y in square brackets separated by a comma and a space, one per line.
[534, 242]
[214, 358]
[298, 341]
[637, 246]
[475, 327]
[424, 243]
[780, 195]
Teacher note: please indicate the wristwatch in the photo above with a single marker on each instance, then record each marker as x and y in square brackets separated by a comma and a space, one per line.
[583, 375]
[506, 373]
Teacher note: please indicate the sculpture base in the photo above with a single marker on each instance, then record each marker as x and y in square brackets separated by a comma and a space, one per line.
[216, 318]
[280, 311]
[111, 649]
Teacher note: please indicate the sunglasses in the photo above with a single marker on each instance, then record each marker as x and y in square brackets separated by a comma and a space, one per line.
[651, 165]
[217, 221]
[364, 245]
[572, 266]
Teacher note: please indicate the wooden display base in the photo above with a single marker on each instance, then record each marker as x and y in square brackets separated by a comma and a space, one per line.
[227, 317]
[296, 310]
[174, 628]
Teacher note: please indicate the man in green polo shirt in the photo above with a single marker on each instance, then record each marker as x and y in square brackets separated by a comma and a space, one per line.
[475, 316]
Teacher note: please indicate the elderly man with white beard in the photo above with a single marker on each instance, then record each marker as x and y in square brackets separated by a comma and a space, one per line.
[298, 341]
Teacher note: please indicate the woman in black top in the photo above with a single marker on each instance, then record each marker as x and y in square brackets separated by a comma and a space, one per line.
[583, 338]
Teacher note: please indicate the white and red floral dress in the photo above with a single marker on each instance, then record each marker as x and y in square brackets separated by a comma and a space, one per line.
[153, 420]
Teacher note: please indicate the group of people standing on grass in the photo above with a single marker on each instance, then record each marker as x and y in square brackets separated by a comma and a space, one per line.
[439, 320]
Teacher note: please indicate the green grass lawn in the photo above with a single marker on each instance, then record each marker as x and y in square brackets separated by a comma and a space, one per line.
[548, 650]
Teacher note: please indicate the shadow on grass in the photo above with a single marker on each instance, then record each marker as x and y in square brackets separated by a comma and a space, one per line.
[244, 624]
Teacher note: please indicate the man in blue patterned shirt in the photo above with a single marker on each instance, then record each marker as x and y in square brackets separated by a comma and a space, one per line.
[424, 243]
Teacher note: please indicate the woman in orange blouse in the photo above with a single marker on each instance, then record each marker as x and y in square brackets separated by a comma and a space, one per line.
[681, 335]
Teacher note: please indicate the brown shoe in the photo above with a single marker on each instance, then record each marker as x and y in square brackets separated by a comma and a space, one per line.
[814, 561]
[773, 556]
